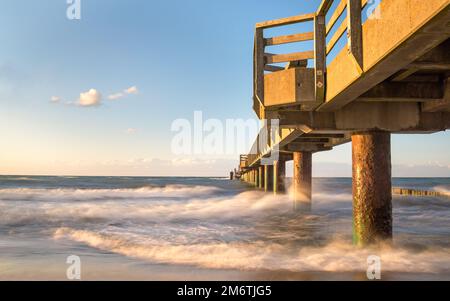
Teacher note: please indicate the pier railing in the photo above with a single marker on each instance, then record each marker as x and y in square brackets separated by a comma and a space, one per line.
[264, 62]
[312, 81]
[351, 23]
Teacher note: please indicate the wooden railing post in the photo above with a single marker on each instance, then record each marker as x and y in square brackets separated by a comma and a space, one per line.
[354, 29]
[324, 7]
[259, 64]
[320, 56]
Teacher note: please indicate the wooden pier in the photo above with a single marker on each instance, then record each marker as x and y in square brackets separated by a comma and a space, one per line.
[392, 77]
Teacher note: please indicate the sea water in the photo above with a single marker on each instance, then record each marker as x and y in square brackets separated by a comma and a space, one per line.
[127, 228]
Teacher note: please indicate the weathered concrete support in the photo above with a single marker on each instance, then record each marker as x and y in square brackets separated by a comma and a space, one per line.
[261, 177]
[268, 177]
[279, 173]
[372, 188]
[302, 180]
[256, 177]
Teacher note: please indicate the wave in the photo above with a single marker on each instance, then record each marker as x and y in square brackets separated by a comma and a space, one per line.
[172, 203]
[216, 208]
[68, 194]
[443, 189]
[210, 227]
[336, 256]
[20, 179]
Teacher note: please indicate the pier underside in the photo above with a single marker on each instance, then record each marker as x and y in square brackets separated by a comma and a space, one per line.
[393, 77]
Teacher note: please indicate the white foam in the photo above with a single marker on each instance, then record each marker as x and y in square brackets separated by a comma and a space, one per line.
[336, 256]
[443, 189]
[250, 203]
[40, 194]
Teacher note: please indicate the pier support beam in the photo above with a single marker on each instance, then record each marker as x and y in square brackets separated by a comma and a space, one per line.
[279, 173]
[268, 177]
[302, 180]
[256, 177]
[372, 188]
[261, 177]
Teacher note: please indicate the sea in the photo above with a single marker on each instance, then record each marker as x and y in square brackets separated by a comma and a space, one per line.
[181, 228]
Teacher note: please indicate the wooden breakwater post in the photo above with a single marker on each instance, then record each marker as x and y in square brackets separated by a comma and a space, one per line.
[418, 192]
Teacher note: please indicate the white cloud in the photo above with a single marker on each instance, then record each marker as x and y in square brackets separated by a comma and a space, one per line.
[90, 98]
[93, 97]
[188, 161]
[131, 90]
[115, 96]
[166, 167]
[331, 169]
[55, 99]
[131, 131]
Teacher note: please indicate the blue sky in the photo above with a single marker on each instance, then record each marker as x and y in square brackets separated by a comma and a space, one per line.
[181, 56]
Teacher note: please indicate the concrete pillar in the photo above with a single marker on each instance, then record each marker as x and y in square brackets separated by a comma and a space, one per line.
[261, 177]
[372, 188]
[268, 177]
[302, 180]
[279, 174]
[256, 178]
